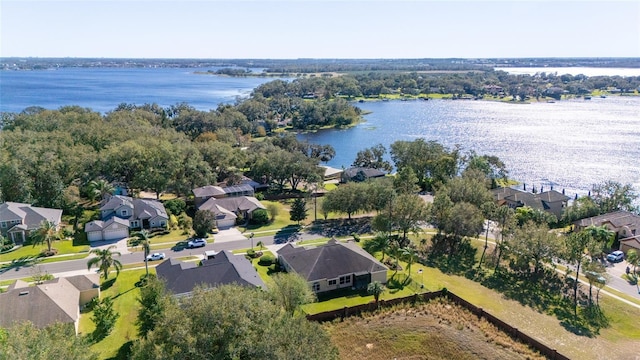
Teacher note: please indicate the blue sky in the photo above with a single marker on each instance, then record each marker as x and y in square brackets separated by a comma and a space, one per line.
[319, 29]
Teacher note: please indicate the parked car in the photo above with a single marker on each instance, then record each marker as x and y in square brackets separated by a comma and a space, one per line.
[196, 243]
[156, 256]
[616, 256]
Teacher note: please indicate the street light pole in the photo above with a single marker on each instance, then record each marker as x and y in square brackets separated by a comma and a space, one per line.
[421, 279]
[251, 238]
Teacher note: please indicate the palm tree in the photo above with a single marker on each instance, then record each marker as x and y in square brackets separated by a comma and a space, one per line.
[410, 255]
[260, 244]
[379, 243]
[375, 288]
[100, 188]
[104, 260]
[633, 259]
[46, 232]
[143, 236]
[601, 234]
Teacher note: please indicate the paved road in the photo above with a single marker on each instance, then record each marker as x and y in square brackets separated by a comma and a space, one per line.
[62, 267]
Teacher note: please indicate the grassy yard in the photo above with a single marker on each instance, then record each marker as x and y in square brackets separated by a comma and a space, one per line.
[124, 292]
[63, 247]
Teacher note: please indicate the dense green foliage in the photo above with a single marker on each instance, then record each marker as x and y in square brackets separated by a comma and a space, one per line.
[298, 210]
[203, 222]
[56, 342]
[232, 322]
[104, 318]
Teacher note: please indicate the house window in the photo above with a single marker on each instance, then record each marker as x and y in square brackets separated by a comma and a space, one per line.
[348, 279]
[316, 286]
[125, 213]
[345, 279]
[3, 224]
[332, 282]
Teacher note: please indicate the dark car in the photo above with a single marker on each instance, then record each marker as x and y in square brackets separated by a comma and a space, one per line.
[196, 243]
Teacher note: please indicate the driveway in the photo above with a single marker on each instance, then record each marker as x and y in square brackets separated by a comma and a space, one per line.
[228, 235]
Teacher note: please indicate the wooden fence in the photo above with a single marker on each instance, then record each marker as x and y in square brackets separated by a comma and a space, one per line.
[545, 350]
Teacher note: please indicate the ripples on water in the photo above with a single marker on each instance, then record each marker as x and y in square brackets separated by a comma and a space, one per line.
[569, 144]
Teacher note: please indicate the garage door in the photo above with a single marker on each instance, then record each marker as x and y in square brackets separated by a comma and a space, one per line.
[94, 236]
[116, 234]
[225, 223]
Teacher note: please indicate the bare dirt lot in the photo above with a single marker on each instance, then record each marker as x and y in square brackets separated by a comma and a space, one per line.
[436, 330]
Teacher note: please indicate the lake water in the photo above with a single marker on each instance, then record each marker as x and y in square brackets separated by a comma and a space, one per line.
[588, 71]
[103, 89]
[570, 144]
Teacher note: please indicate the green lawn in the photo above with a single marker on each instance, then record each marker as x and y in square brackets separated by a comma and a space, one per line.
[63, 247]
[281, 220]
[263, 271]
[124, 292]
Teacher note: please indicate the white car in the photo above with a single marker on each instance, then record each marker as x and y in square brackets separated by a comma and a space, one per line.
[196, 243]
[616, 256]
[156, 256]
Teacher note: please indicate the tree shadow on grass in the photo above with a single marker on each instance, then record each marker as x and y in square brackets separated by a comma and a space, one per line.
[107, 284]
[588, 321]
[341, 227]
[124, 352]
[123, 293]
[17, 264]
[287, 234]
[542, 291]
[397, 282]
[461, 262]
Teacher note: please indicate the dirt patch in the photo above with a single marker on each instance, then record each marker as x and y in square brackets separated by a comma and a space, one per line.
[436, 330]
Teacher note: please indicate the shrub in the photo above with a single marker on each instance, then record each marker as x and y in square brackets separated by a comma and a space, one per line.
[251, 253]
[240, 220]
[260, 217]
[175, 206]
[266, 260]
[259, 196]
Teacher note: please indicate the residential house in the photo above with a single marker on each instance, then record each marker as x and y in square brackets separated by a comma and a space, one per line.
[17, 220]
[119, 214]
[57, 300]
[333, 266]
[228, 209]
[204, 193]
[361, 174]
[551, 201]
[222, 268]
[625, 224]
[227, 203]
[331, 174]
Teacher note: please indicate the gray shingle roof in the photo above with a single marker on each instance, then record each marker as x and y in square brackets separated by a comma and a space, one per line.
[207, 191]
[224, 268]
[617, 218]
[329, 261]
[367, 172]
[31, 216]
[43, 305]
[231, 204]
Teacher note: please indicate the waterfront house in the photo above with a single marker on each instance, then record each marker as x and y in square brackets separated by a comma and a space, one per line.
[359, 174]
[551, 201]
[333, 266]
[228, 209]
[17, 220]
